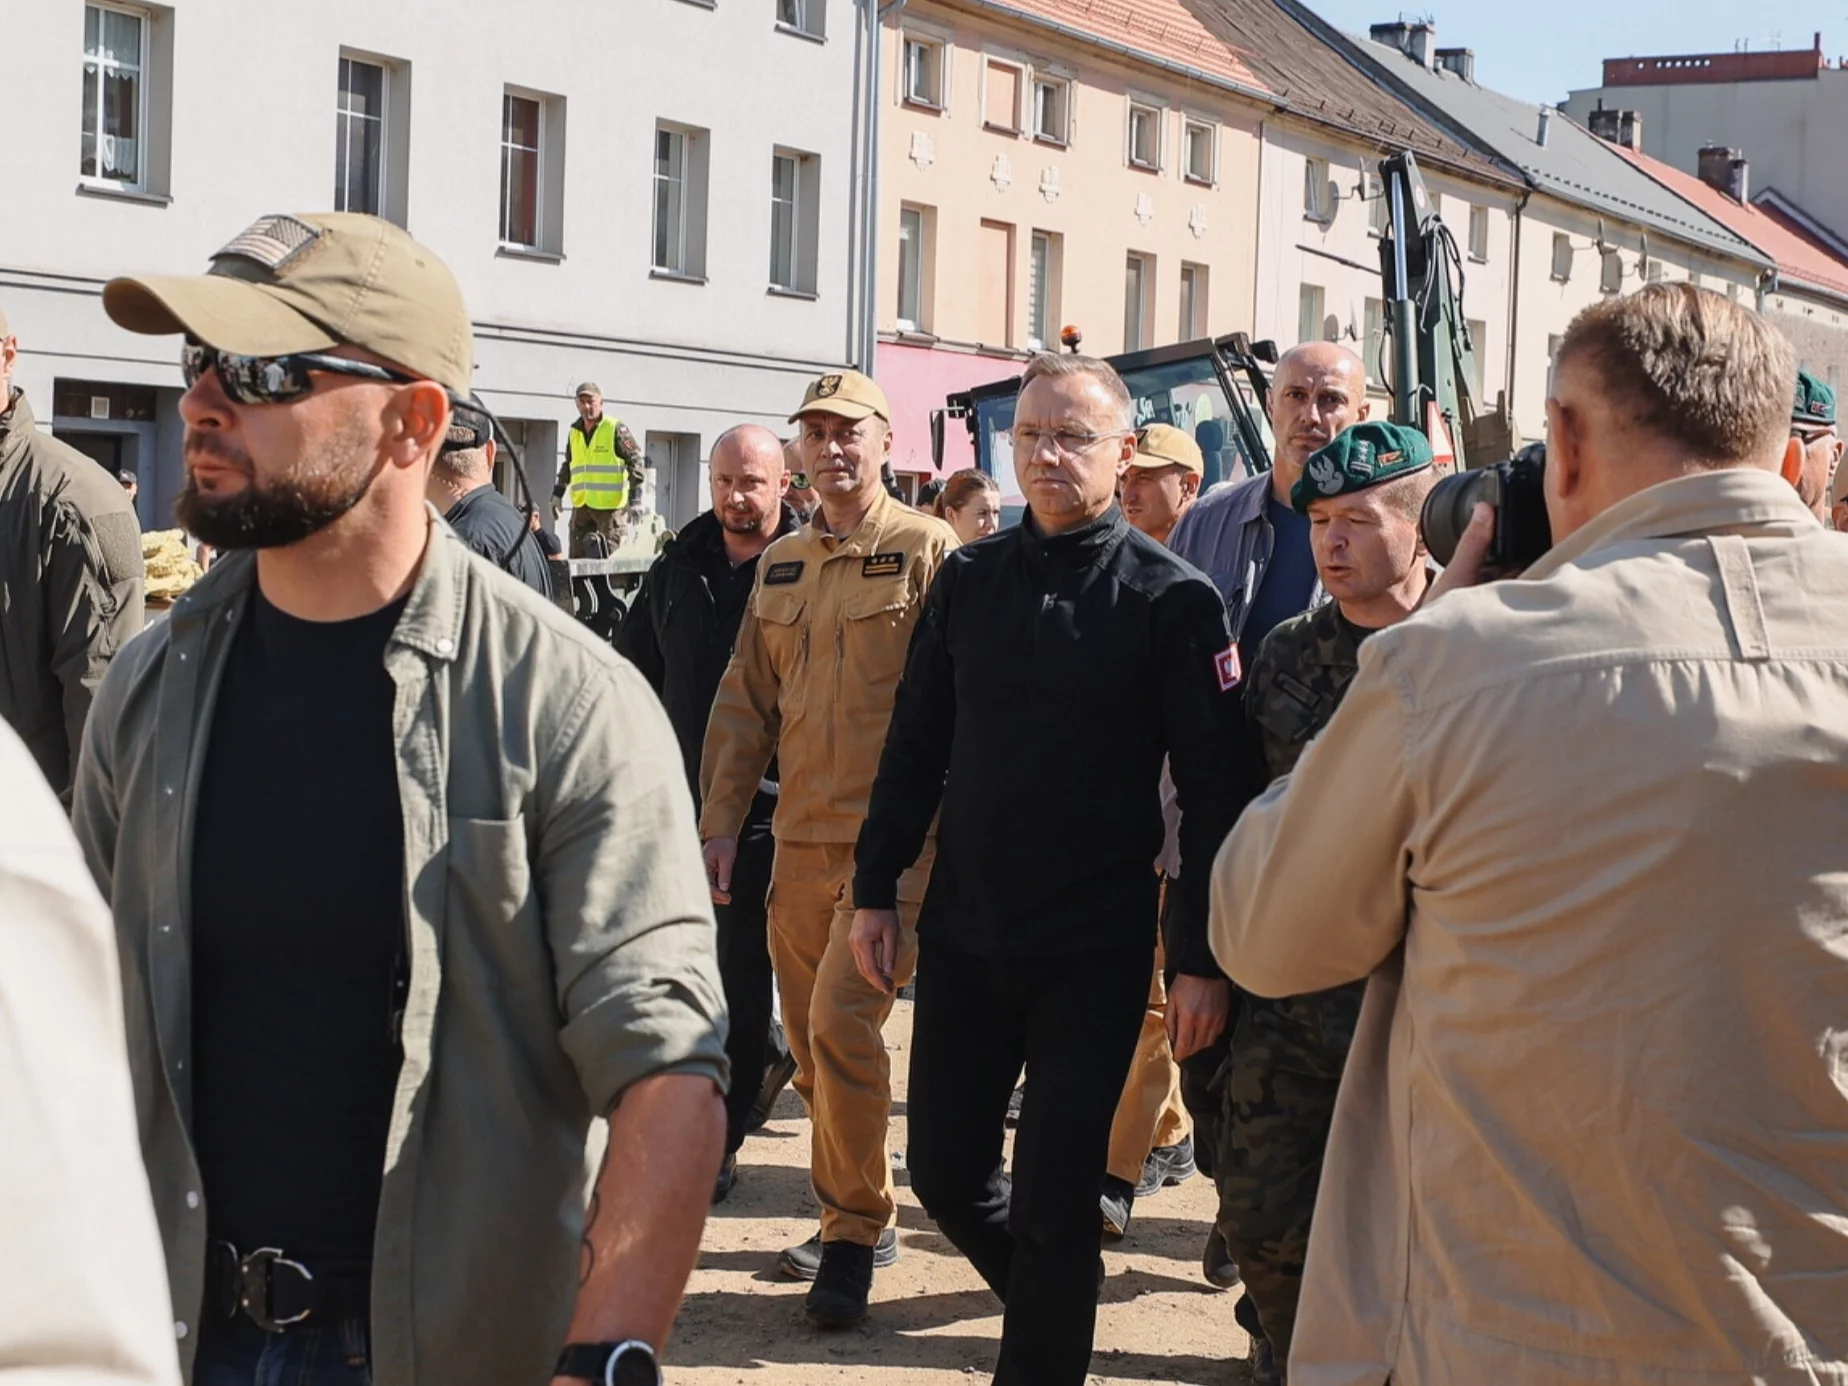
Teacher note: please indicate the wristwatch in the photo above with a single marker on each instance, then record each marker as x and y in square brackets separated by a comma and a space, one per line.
[630, 1363]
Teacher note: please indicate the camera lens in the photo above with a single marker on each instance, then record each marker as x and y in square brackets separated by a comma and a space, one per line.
[1447, 510]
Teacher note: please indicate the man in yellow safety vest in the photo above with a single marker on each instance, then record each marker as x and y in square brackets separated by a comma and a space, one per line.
[603, 468]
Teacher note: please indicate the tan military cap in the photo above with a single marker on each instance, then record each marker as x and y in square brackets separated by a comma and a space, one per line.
[308, 282]
[847, 394]
[589, 387]
[1162, 445]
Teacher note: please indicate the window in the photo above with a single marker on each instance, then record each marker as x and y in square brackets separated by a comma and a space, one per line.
[1309, 317]
[1379, 210]
[679, 246]
[1610, 272]
[924, 84]
[1052, 109]
[115, 95]
[994, 284]
[911, 254]
[1318, 191]
[1694, 278]
[1732, 292]
[803, 16]
[1479, 234]
[1001, 93]
[1374, 340]
[359, 138]
[1552, 359]
[1144, 136]
[520, 163]
[1562, 256]
[1198, 147]
[1478, 350]
[1652, 272]
[1193, 302]
[1138, 281]
[1043, 289]
[785, 176]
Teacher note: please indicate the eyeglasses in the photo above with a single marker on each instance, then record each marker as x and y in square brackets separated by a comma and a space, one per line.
[273, 379]
[1813, 434]
[1067, 442]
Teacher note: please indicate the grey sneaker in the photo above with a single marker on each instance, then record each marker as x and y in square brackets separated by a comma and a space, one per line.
[1116, 1202]
[804, 1262]
[1166, 1166]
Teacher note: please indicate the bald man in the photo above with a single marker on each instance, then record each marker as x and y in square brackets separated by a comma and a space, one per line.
[680, 634]
[1249, 539]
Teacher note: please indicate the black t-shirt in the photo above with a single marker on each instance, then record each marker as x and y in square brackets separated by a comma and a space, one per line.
[298, 936]
[493, 527]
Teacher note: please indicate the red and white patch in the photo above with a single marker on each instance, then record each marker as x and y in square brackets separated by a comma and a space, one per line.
[1226, 665]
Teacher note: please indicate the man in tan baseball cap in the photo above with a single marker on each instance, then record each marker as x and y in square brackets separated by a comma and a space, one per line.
[414, 789]
[1162, 480]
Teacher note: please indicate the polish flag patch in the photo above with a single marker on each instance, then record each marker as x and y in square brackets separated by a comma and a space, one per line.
[1225, 664]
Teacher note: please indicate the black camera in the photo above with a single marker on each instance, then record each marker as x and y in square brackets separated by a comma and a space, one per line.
[1516, 489]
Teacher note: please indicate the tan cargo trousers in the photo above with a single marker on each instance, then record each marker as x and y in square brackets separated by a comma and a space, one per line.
[835, 1020]
[1149, 1113]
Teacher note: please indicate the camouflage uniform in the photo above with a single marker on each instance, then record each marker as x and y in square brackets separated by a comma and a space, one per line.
[1287, 1054]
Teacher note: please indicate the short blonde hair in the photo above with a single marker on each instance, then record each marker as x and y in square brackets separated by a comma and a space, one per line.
[1692, 367]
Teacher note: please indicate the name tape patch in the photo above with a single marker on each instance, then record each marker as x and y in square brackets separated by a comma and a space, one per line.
[782, 574]
[883, 565]
[1226, 666]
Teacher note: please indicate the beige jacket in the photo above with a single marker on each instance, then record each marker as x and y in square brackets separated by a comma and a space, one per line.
[560, 933]
[1591, 827]
[82, 1282]
[812, 677]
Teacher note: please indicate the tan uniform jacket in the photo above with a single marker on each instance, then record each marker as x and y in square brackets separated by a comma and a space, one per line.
[1591, 827]
[815, 670]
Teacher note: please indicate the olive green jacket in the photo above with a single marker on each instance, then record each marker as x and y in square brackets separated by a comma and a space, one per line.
[558, 925]
[70, 586]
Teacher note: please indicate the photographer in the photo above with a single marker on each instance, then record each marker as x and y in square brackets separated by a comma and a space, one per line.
[1587, 827]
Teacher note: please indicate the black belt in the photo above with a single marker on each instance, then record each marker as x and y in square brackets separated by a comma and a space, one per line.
[278, 1292]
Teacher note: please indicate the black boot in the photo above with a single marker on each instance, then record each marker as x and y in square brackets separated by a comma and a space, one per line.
[838, 1297]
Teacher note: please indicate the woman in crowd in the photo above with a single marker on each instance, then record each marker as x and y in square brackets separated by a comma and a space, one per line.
[970, 504]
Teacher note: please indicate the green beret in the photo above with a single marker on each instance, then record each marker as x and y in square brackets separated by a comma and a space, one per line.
[1366, 455]
[1815, 401]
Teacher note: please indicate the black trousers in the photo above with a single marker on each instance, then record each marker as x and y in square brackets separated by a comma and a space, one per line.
[744, 969]
[1202, 1074]
[1035, 1239]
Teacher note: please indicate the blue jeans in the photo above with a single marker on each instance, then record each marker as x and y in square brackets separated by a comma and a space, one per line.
[235, 1352]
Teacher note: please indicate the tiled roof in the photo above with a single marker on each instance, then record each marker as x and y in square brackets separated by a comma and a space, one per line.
[1795, 257]
[1573, 165]
[1164, 29]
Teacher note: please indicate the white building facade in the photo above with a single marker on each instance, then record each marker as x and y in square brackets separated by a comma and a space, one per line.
[684, 242]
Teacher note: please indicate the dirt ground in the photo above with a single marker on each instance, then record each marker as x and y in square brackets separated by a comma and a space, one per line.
[933, 1321]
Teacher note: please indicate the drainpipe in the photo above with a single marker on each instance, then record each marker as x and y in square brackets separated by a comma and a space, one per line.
[869, 212]
[857, 171]
[1514, 303]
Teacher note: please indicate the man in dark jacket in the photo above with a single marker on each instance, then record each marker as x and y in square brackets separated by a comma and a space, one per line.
[70, 564]
[1054, 668]
[461, 486]
[680, 634]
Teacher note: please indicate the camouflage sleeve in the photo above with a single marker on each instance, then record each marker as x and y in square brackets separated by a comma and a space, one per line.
[630, 453]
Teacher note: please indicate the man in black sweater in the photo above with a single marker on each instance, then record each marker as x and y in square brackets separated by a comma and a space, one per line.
[461, 487]
[680, 634]
[1054, 667]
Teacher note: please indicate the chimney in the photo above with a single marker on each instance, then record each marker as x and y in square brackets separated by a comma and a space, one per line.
[1725, 170]
[1544, 127]
[1461, 61]
[1418, 41]
[1619, 127]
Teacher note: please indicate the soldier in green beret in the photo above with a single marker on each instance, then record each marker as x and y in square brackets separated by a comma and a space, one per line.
[1362, 493]
[1812, 423]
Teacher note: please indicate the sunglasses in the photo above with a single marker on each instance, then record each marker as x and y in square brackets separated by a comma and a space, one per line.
[799, 480]
[273, 379]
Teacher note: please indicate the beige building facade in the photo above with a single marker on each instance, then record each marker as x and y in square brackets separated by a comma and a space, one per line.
[1032, 179]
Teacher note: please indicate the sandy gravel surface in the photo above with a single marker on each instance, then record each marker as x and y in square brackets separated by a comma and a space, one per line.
[933, 1320]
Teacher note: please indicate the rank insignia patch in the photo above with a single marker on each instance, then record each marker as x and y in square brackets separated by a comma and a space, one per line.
[883, 565]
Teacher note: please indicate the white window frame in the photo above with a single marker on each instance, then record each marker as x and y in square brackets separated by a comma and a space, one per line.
[1145, 289]
[916, 216]
[1318, 207]
[1379, 213]
[1023, 87]
[139, 182]
[1479, 218]
[382, 181]
[790, 279]
[1189, 124]
[1610, 268]
[1053, 77]
[941, 46]
[539, 183]
[810, 20]
[1303, 300]
[1040, 284]
[1157, 120]
[676, 252]
[1196, 287]
[1562, 251]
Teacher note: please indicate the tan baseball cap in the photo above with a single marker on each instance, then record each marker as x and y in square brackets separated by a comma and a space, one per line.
[847, 394]
[309, 281]
[1162, 445]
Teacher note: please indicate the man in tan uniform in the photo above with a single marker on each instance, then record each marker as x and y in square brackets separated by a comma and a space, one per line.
[812, 681]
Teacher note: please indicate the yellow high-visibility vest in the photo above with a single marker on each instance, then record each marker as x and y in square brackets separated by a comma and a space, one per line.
[599, 476]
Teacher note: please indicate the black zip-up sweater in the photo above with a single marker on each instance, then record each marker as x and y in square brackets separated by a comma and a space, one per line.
[1046, 681]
